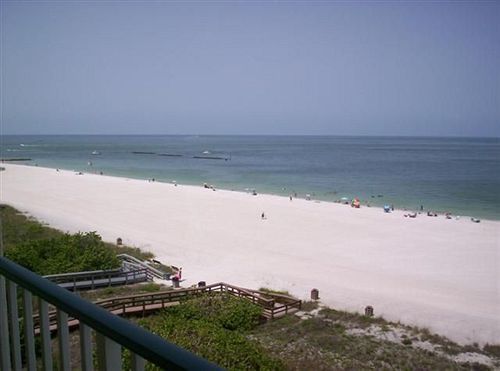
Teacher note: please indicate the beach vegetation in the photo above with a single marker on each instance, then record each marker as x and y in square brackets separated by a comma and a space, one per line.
[119, 291]
[17, 228]
[64, 254]
[336, 340]
[46, 250]
[492, 349]
[406, 341]
[132, 251]
[308, 306]
[151, 287]
[214, 327]
[360, 320]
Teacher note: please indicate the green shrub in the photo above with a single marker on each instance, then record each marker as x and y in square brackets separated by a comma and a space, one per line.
[63, 254]
[214, 327]
[17, 228]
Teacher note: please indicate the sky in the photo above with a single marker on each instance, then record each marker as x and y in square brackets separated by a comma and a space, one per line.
[251, 67]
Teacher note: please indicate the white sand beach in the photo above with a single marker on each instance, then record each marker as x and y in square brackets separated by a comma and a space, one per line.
[431, 272]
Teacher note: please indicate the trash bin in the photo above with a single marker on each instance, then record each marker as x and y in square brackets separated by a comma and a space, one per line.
[369, 311]
[314, 294]
[175, 282]
[202, 284]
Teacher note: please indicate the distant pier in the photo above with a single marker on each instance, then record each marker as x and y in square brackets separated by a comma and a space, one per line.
[15, 159]
[210, 158]
[169, 154]
[179, 155]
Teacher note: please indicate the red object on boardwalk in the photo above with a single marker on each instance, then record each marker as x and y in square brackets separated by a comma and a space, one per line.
[178, 275]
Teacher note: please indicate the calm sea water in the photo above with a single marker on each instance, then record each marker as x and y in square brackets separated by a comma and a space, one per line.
[460, 175]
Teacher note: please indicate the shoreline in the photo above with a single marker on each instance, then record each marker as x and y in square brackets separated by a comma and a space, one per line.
[405, 210]
[430, 272]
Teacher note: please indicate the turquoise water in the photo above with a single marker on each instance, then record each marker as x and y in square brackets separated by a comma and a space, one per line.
[460, 175]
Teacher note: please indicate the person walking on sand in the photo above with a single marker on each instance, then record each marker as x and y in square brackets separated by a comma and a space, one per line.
[263, 216]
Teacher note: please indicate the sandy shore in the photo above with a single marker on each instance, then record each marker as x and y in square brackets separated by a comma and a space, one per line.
[431, 272]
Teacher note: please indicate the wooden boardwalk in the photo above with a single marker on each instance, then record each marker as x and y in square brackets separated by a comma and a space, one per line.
[273, 305]
[133, 270]
[103, 278]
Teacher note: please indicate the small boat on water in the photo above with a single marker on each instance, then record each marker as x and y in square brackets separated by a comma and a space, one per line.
[96, 153]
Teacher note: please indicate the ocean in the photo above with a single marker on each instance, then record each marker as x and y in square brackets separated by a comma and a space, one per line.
[457, 175]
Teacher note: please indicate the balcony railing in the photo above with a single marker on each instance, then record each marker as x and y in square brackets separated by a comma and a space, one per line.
[111, 332]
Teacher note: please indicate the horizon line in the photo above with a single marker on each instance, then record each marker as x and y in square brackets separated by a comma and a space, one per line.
[268, 135]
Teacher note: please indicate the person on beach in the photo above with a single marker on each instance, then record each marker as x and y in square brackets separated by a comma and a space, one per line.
[290, 197]
[263, 216]
[178, 275]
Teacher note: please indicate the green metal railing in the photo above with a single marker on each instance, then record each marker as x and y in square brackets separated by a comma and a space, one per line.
[112, 332]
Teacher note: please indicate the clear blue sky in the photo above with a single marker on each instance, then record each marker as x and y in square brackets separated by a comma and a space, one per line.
[337, 68]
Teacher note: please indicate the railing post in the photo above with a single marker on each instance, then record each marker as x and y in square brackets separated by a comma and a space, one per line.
[63, 340]
[138, 362]
[45, 335]
[4, 328]
[112, 331]
[86, 348]
[15, 339]
[29, 336]
[109, 355]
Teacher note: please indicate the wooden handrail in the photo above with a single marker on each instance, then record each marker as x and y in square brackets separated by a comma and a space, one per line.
[166, 297]
[111, 331]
